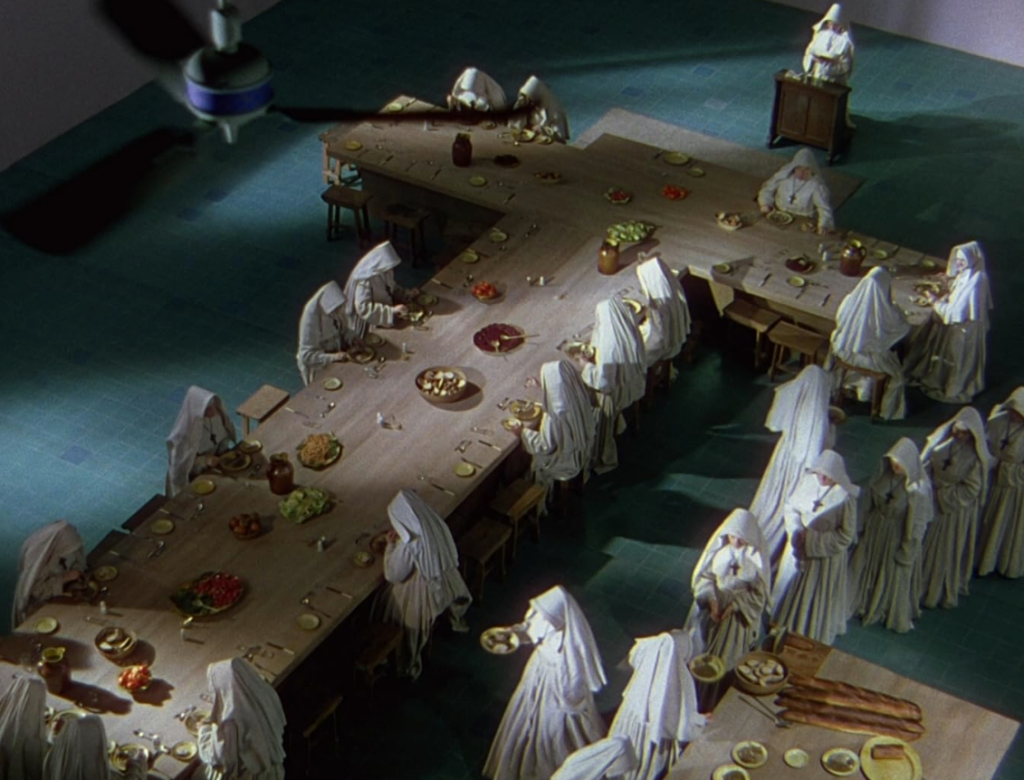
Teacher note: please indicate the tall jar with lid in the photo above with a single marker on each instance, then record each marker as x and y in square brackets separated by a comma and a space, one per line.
[281, 474]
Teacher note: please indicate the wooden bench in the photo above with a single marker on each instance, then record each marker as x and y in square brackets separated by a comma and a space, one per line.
[410, 218]
[751, 316]
[792, 338]
[881, 382]
[261, 405]
[338, 198]
[484, 546]
[380, 642]
[520, 500]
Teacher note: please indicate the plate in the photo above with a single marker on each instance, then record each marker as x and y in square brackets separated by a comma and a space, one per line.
[162, 526]
[796, 281]
[906, 768]
[204, 487]
[362, 559]
[548, 177]
[498, 236]
[308, 621]
[374, 339]
[750, 754]
[235, 461]
[499, 640]
[729, 220]
[469, 257]
[544, 140]
[426, 299]
[929, 265]
[47, 625]
[353, 146]
[250, 445]
[707, 668]
[506, 161]
[695, 171]
[477, 181]
[463, 469]
[499, 338]
[210, 593]
[779, 217]
[509, 424]
[677, 158]
[105, 573]
[879, 254]
[796, 758]
[525, 411]
[730, 772]
[618, 196]
[120, 755]
[194, 720]
[523, 135]
[393, 108]
[364, 355]
[442, 384]
[315, 460]
[840, 762]
[185, 750]
[722, 268]
[801, 265]
[332, 383]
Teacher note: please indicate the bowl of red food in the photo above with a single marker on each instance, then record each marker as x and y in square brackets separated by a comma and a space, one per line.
[618, 196]
[208, 594]
[485, 292]
[135, 678]
[499, 338]
[672, 192]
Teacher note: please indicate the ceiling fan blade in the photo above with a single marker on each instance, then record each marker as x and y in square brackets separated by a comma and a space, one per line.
[156, 29]
[439, 115]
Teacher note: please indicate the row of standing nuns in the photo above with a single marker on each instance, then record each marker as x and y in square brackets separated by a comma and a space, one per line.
[1002, 531]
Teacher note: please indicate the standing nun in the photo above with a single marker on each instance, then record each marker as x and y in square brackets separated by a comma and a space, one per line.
[372, 296]
[668, 317]
[202, 431]
[1002, 535]
[798, 188]
[324, 332]
[829, 55]
[606, 759]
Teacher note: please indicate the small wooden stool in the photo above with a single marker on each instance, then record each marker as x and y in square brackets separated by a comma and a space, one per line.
[329, 710]
[260, 405]
[338, 198]
[805, 343]
[881, 382]
[522, 499]
[481, 544]
[754, 317]
[410, 218]
[380, 641]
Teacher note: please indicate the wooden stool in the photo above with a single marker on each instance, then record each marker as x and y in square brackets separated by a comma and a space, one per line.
[380, 641]
[410, 218]
[260, 405]
[522, 499]
[881, 382]
[805, 343]
[754, 317]
[338, 198]
[480, 545]
[329, 710]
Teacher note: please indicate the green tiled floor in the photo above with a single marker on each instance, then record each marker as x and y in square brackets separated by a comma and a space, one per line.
[204, 283]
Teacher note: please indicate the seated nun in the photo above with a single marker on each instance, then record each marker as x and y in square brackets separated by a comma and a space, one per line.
[546, 115]
[80, 751]
[606, 759]
[421, 566]
[617, 372]
[798, 188]
[564, 445]
[23, 729]
[658, 714]
[668, 317]
[731, 584]
[476, 90]
[1002, 531]
[552, 712]
[202, 432]
[829, 55]
[372, 296]
[244, 736]
[868, 328]
[947, 354]
[51, 558]
[324, 331]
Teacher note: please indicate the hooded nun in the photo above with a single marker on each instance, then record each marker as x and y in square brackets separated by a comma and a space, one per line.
[606, 759]
[371, 293]
[23, 730]
[47, 556]
[668, 317]
[829, 55]
[80, 752]
[323, 331]
[1002, 535]
[785, 191]
[476, 90]
[546, 114]
[195, 435]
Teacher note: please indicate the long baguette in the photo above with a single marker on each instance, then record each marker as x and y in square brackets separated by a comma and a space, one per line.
[848, 695]
[873, 718]
[848, 725]
[905, 710]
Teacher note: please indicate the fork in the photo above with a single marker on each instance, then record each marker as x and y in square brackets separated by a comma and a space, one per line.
[766, 711]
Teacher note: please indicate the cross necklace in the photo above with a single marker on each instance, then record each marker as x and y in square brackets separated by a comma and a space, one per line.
[890, 494]
[1011, 431]
[821, 498]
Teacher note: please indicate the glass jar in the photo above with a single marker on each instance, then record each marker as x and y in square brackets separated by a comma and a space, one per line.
[608, 258]
[281, 474]
[462, 150]
[54, 670]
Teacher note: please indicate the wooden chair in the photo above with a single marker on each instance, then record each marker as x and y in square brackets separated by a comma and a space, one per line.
[751, 316]
[881, 382]
[338, 198]
[261, 405]
[484, 546]
[328, 711]
[380, 642]
[522, 500]
[787, 338]
[411, 219]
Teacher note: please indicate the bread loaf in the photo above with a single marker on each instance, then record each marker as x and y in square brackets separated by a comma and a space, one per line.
[888, 752]
[843, 694]
[845, 724]
[846, 713]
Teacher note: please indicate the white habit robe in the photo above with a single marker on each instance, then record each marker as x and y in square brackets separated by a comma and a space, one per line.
[606, 759]
[868, 326]
[618, 375]
[323, 330]
[46, 556]
[959, 475]
[947, 354]
[546, 113]
[194, 436]
[476, 90]
[805, 198]
[895, 514]
[738, 580]
[668, 316]
[80, 752]
[811, 592]
[800, 413]
[371, 292]
[830, 53]
[658, 713]
[1002, 535]
[23, 730]
[422, 571]
[552, 712]
[245, 735]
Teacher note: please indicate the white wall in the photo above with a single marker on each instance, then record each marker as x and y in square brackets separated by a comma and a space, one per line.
[988, 28]
[60, 63]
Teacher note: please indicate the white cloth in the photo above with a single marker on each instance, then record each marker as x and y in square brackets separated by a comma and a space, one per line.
[970, 297]
[80, 752]
[800, 413]
[476, 90]
[546, 115]
[245, 735]
[831, 52]
[785, 192]
[23, 730]
[658, 714]
[195, 434]
[46, 556]
[323, 330]
[371, 290]
[668, 315]
[1002, 536]
[609, 758]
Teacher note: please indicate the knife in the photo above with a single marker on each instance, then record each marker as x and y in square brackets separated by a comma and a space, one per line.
[488, 444]
[295, 411]
[441, 488]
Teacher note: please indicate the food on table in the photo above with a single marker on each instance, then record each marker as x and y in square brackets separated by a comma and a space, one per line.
[750, 754]
[506, 160]
[499, 640]
[115, 642]
[250, 445]
[212, 592]
[523, 134]
[888, 752]
[841, 761]
[617, 195]
[498, 338]
[632, 230]
[303, 503]
[319, 449]
[729, 220]
[800, 264]
[235, 461]
[484, 291]
[863, 698]
[548, 177]
[761, 672]
[780, 217]
[246, 526]
[442, 383]
[122, 755]
[135, 678]
[796, 758]
[672, 192]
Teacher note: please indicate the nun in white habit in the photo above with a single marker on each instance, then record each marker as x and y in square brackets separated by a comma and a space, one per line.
[731, 585]
[606, 759]
[618, 373]
[668, 316]
[324, 331]
[552, 712]
[421, 566]
[810, 593]
[798, 188]
[50, 558]
[957, 458]
[800, 413]
[244, 737]
[202, 431]
[546, 114]
[947, 354]
[1002, 534]
[372, 296]
[23, 730]
[896, 512]
[829, 55]
[475, 90]
[868, 326]
[658, 713]
[80, 752]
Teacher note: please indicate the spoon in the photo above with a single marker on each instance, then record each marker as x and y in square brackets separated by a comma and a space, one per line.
[306, 603]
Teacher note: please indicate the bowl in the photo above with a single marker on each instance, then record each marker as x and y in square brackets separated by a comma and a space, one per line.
[760, 673]
[246, 526]
[442, 384]
[135, 679]
[115, 643]
[729, 221]
[707, 668]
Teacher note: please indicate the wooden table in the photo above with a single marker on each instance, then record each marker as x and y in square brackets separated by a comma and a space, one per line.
[810, 111]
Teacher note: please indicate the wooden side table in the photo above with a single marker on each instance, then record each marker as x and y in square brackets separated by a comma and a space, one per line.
[260, 405]
[810, 112]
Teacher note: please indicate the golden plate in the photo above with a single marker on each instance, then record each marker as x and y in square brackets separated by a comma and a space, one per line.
[185, 750]
[105, 573]
[469, 257]
[695, 171]
[194, 720]
[47, 625]
[677, 158]
[840, 762]
[332, 383]
[463, 469]
[796, 758]
[353, 146]
[796, 281]
[722, 268]
[235, 461]
[707, 668]
[393, 108]
[523, 135]
[250, 445]
[426, 299]
[929, 265]
[544, 140]
[525, 411]
[909, 768]
[334, 452]
[120, 755]
[750, 754]
[723, 217]
[779, 217]
[730, 772]
[308, 621]
[162, 526]
[204, 487]
[364, 355]
[499, 640]
[477, 181]
[498, 236]
[509, 424]
[880, 254]
[362, 559]
[374, 339]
